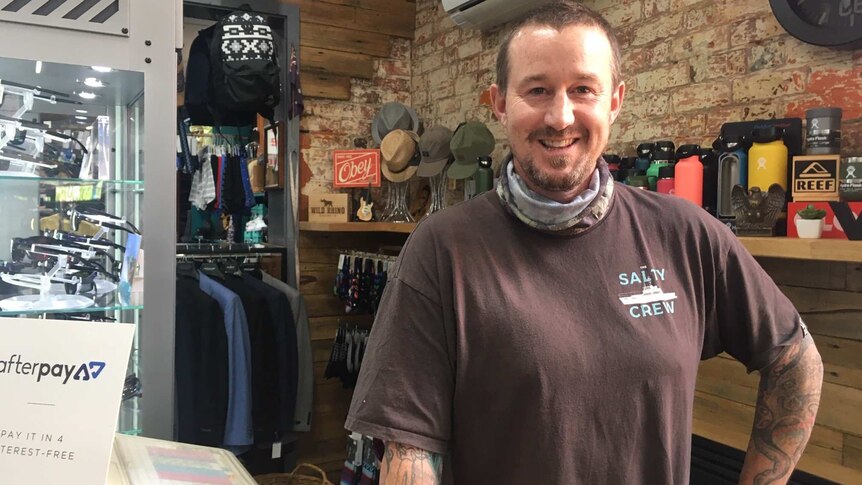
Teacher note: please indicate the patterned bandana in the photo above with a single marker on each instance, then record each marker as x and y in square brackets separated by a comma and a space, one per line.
[528, 206]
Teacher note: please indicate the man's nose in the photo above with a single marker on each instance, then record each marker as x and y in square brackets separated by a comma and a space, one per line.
[561, 112]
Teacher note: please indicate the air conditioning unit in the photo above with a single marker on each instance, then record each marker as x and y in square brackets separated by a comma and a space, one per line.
[487, 14]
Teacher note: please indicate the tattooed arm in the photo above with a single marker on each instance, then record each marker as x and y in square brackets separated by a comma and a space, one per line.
[405, 465]
[786, 406]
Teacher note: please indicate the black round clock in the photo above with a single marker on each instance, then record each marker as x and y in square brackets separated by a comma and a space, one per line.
[828, 23]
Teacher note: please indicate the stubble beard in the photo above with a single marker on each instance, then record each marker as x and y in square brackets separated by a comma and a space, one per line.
[581, 170]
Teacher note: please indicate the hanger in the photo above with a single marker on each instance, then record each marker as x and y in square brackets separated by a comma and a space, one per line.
[230, 266]
[187, 269]
[212, 270]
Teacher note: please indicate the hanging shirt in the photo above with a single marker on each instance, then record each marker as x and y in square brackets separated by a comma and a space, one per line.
[238, 424]
[203, 187]
[264, 376]
[285, 345]
[201, 368]
[305, 378]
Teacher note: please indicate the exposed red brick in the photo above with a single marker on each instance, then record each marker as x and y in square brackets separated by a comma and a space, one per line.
[485, 98]
[833, 87]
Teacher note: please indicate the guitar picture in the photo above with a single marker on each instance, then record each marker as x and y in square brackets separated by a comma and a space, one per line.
[364, 213]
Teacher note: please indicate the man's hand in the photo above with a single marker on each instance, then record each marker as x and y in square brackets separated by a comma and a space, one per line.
[405, 465]
[786, 407]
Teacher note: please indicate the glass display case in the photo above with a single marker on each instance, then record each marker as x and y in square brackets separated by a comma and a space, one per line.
[71, 199]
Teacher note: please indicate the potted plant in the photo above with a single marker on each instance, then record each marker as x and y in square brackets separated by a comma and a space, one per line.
[809, 224]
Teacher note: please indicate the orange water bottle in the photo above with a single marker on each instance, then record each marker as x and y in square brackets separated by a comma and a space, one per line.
[767, 159]
[688, 174]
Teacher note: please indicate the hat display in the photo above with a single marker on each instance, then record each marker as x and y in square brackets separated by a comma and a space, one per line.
[435, 150]
[398, 155]
[393, 116]
[471, 141]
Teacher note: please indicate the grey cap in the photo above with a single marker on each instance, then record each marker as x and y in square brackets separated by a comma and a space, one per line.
[393, 116]
[435, 150]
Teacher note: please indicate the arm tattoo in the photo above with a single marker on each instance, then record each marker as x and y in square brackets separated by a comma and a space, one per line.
[406, 465]
[787, 404]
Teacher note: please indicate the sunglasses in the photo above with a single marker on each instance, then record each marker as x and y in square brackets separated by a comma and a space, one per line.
[89, 241]
[100, 218]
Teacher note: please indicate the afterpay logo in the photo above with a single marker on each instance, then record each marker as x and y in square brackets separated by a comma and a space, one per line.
[86, 371]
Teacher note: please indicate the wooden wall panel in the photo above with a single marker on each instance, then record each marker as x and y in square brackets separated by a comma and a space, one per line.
[322, 85]
[828, 297]
[325, 445]
[345, 40]
[341, 63]
[340, 39]
[398, 21]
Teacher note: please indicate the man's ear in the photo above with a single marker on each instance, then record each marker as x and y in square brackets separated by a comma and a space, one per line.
[617, 101]
[498, 103]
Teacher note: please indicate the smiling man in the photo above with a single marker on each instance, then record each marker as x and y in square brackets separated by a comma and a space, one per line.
[550, 331]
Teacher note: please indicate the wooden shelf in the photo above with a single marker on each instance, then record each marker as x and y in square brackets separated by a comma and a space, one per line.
[794, 248]
[401, 227]
[773, 247]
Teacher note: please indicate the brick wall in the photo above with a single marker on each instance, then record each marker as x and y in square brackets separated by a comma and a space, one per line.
[689, 66]
[328, 124]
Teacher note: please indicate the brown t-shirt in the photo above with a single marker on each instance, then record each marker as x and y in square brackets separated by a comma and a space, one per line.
[529, 357]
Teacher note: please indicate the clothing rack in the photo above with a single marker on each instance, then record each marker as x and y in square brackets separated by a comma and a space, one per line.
[227, 250]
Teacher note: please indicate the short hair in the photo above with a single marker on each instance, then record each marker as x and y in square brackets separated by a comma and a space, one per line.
[558, 15]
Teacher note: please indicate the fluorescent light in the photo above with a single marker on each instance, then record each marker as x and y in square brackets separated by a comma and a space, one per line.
[81, 118]
[93, 82]
[82, 122]
[82, 111]
[87, 95]
[38, 67]
[101, 69]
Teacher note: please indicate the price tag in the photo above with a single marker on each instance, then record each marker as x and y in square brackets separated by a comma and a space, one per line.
[276, 450]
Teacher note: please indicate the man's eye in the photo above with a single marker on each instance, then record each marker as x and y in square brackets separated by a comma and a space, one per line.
[537, 91]
[583, 90]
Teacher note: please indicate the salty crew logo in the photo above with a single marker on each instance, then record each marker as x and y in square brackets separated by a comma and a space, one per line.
[651, 301]
[78, 372]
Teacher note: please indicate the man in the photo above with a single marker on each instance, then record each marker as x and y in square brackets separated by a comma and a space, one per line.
[549, 332]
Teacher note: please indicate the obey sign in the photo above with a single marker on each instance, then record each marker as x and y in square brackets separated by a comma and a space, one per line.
[355, 168]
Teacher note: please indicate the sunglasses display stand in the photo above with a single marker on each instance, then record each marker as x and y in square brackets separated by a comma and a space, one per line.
[46, 299]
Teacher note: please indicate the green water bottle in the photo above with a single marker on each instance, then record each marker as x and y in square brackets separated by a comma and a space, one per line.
[484, 175]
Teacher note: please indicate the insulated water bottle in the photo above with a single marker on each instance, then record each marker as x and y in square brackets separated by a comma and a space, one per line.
[709, 159]
[665, 184]
[767, 159]
[732, 170]
[688, 174]
[644, 151]
[484, 176]
[660, 158]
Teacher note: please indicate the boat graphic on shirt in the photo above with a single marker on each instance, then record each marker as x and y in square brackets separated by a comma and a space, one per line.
[650, 294]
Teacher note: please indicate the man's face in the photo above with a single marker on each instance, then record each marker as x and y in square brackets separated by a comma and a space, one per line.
[559, 106]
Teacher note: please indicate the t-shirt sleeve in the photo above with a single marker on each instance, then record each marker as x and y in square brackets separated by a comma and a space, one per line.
[752, 320]
[406, 384]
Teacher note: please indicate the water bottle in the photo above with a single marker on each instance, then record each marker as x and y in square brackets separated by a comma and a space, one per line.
[709, 159]
[484, 176]
[732, 170]
[613, 162]
[688, 174]
[662, 156]
[665, 184]
[767, 159]
[644, 151]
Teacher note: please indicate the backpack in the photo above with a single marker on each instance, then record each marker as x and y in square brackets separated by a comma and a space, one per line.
[244, 71]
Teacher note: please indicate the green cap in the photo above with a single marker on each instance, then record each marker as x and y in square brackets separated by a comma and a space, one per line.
[470, 142]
